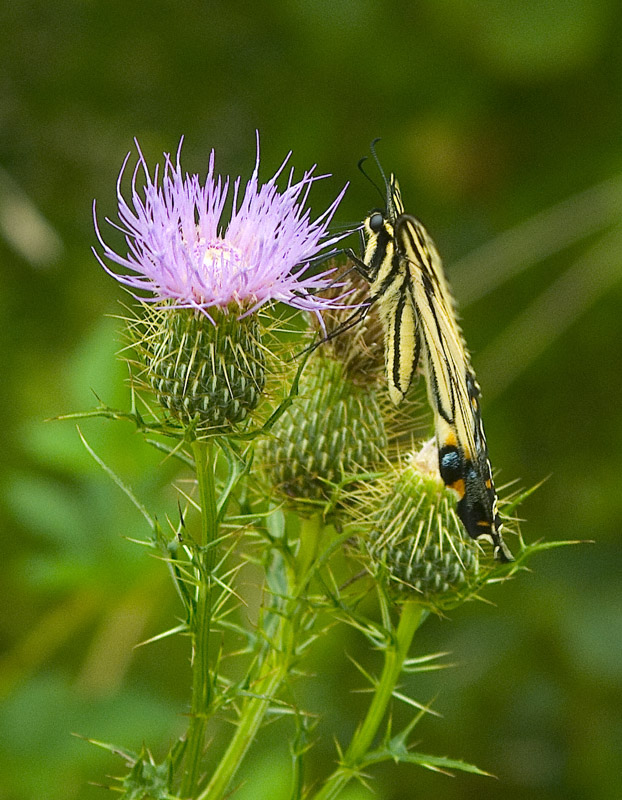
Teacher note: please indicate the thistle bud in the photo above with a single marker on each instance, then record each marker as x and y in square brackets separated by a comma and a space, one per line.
[330, 435]
[335, 430]
[416, 540]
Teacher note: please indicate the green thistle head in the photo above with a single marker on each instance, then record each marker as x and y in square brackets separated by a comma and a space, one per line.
[415, 540]
[334, 432]
[208, 371]
[331, 434]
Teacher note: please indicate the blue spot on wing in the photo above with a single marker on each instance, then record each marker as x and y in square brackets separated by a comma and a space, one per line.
[450, 465]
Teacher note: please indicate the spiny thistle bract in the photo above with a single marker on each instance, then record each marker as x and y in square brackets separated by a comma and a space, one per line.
[333, 432]
[198, 274]
[198, 369]
[413, 537]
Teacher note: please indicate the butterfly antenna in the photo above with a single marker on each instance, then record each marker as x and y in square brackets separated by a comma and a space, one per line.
[373, 182]
[372, 147]
[390, 204]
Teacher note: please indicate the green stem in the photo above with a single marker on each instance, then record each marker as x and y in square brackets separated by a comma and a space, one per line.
[362, 740]
[275, 667]
[250, 721]
[201, 619]
[310, 533]
[204, 464]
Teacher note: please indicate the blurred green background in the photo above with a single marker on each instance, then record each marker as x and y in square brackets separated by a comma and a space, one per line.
[492, 113]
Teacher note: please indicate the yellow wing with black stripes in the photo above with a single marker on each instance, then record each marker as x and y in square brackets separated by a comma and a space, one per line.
[409, 288]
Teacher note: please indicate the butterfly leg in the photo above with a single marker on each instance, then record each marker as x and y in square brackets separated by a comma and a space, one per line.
[358, 315]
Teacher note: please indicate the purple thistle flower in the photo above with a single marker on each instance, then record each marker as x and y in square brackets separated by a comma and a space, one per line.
[179, 251]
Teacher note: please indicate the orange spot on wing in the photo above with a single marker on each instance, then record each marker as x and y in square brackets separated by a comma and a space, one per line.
[450, 440]
[458, 486]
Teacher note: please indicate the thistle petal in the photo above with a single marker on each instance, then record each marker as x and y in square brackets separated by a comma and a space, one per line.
[179, 252]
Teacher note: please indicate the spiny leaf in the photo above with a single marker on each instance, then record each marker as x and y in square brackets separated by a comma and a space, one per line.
[398, 752]
[409, 701]
[126, 489]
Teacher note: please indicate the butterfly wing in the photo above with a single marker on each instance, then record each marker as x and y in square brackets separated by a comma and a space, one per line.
[452, 388]
[392, 291]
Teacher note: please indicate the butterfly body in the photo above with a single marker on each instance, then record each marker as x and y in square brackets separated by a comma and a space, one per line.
[409, 289]
[391, 280]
